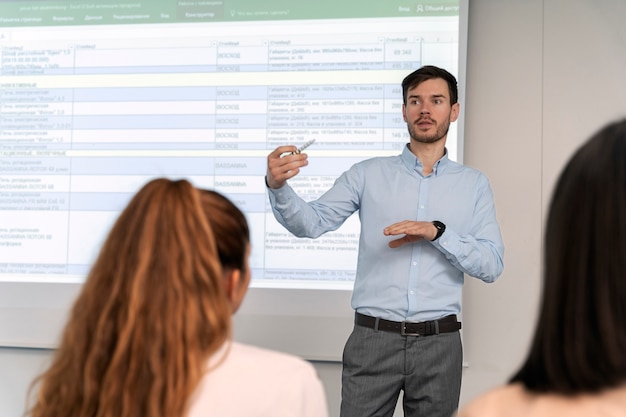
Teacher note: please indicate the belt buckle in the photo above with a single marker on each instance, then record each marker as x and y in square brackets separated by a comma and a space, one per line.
[403, 331]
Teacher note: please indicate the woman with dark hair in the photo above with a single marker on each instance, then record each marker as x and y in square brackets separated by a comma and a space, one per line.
[150, 333]
[577, 361]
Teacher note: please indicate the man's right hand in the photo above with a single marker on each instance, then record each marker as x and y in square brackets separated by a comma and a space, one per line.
[281, 168]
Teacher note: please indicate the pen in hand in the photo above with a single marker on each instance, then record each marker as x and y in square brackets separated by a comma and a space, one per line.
[303, 147]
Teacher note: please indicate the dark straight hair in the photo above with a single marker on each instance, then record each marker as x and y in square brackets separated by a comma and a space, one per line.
[580, 340]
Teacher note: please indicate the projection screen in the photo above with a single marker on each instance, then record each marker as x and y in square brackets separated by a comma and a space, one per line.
[98, 97]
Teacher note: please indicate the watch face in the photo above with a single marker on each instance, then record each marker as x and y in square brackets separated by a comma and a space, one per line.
[440, 229]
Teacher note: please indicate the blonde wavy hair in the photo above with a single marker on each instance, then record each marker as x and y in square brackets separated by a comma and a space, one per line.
[152, 310]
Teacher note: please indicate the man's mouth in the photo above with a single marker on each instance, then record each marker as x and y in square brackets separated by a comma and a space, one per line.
[425, 123]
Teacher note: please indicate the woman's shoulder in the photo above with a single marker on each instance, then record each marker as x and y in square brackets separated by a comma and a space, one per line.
[272, 383]
[251, 351]
[253, 357]
[505, 400]
[514, 400]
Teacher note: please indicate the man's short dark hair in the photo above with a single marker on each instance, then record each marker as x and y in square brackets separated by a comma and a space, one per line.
[429, 72]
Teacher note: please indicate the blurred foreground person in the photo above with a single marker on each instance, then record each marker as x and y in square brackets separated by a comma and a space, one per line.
[150, 334]
[577, 361]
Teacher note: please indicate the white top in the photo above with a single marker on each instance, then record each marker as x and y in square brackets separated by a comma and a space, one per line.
[248, 381]
[515, 401]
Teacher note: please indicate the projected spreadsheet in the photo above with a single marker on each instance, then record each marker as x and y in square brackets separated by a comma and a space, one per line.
[89, 114]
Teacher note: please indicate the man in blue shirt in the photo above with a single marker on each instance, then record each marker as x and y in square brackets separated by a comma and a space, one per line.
[425, 222]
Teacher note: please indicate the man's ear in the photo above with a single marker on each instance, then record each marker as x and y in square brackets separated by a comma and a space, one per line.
[454, 114]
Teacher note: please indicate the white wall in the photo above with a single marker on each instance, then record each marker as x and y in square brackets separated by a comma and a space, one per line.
[18, 367]
[542, 75]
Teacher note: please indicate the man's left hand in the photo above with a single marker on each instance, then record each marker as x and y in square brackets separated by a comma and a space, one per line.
[412, 230]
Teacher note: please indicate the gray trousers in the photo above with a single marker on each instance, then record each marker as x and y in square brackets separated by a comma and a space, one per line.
[377, 365]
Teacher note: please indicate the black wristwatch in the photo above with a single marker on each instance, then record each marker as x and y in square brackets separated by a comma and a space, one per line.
[440, 229]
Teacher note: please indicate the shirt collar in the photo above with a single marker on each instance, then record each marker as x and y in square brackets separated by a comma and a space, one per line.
[413, 163]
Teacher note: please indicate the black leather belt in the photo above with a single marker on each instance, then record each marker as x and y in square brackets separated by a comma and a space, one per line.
[447, 324]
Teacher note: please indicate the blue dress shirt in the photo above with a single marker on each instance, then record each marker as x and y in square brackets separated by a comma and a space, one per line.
[416, 281]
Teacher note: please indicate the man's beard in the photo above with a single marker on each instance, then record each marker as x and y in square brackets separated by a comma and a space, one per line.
[418, 136]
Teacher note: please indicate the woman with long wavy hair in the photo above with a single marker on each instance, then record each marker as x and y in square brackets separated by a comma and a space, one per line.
[150, 333]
